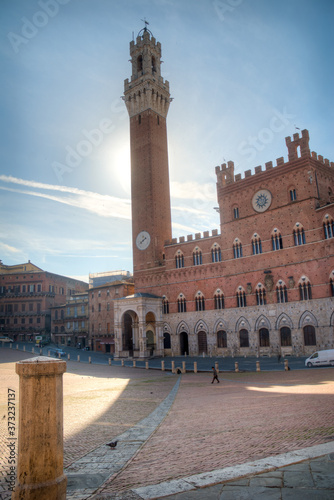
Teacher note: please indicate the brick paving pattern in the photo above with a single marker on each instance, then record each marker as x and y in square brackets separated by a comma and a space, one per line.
[248, 416]
[244, 418]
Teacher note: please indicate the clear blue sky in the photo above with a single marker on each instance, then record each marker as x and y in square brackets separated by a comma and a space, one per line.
[235, 68]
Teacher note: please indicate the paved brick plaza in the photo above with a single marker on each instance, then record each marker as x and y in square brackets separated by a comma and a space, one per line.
[246, 417]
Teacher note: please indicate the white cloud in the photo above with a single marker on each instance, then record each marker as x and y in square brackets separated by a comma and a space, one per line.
[102, 205]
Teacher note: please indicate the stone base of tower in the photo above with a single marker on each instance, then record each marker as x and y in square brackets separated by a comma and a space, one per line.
[138, 326]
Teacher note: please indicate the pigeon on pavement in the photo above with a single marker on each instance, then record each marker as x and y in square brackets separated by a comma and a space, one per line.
[113, 444]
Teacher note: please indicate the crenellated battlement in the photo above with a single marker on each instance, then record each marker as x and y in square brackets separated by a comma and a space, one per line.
[225, 173]
[192, 237]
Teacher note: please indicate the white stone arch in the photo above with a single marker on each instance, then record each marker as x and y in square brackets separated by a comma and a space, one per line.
[283, 320]
[201, 326]
[241, 324]
[307, 318]
[331, 321]
[262, 322]
[182, 327]
[166, 328]
[220, 324]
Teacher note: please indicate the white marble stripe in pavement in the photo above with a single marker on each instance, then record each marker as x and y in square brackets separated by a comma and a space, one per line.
[229, 473]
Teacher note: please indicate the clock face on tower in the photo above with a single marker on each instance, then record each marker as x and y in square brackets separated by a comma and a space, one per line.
[143, 240]
[261, 200]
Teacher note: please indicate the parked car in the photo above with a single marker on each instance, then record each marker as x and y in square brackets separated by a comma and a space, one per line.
[6, 339]
[57, 352]
[321, 358]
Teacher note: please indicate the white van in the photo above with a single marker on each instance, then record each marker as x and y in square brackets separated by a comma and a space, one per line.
[321, 358]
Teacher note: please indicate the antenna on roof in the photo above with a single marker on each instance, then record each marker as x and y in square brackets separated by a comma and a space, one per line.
[146, 23]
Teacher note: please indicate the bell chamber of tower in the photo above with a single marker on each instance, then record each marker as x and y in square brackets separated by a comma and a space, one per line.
[147, 99]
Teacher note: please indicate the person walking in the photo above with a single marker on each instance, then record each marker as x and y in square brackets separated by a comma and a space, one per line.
[215, 375]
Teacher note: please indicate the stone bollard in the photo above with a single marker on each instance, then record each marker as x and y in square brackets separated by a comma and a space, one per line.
[24, 348]
[32, 350]
[195, 366]
[258, 366]
[203, 354]
[146, 365]
[217, 366]
[236, 365]
[183, 367]
[17, 346]
[109, 361]
[68, 356]
[78, 358]
[49, 353]
[134, 363]
[122, 362]
[173, 366]
[89, 359]
[40, 472]
[162, 366]
[286, 365]
[41, 352]
[10, 346]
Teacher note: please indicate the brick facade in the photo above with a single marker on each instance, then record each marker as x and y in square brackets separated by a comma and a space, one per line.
[27, 294]
[264, 283]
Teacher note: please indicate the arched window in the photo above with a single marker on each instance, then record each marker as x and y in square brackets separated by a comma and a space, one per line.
[305, 290]
[216, 254]
[328, 225]
[237, 249]
[153, 65]
[181, 304]
[309, 335]
[281, 292]
[293, 194]
[241, 297]
[197, 257]
[165, 305]
[260, 293]
[244, 340]
[264, 337]
[200, 302]
[56, 314]
[221, 339]
[331, 284]
[56, 329]
[256, 244]
[219, 300]
[140, 64]
[236, 212]
[179, 260]
[276, 240]
[299, 235]
[62, 314]
[285, 333]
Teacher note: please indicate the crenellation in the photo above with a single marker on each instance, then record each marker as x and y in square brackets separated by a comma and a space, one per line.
[326, 162]
[197, 236]
[320, 158]
[182, 239]
[189, 237]
[237, 177]
[279, 161]
[258, 169]
[314, 155]
[248, 173]
[206, 234]
[269, 165]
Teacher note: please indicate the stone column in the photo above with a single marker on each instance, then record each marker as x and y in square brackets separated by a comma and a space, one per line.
[40, 472]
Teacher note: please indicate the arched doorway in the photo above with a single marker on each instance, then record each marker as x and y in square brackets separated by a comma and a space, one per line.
[150, 342]
[127, 334]
[202, 343]
[184, 345]
[285, 336]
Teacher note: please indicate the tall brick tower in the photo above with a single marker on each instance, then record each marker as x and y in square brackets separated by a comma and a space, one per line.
[147, 99]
